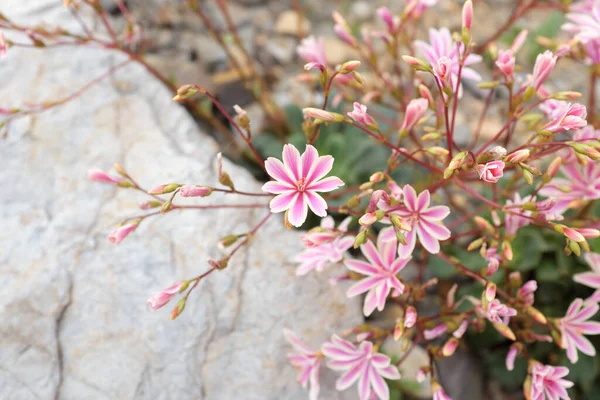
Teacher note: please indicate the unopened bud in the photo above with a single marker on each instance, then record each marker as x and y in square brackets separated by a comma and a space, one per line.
[219, 264]
[566, 95]
[574, 247]
[475, 244]
[483, 224]
[518, 156]
[490, 291]
[398, 329]
[417, 64]
[361, 238]
[120, 169]
[450, 347]
[376, 177]
[228, 241]
[349, 66]
[488, 85]
[179, 307]
[536, 314]
[507, 250]
[241, 117]
[504, 330]
[437, 151]
[187, 91]
[164, 189]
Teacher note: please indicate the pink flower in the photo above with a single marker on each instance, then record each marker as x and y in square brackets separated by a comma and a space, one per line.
[343, 30]
[415, 110]
[312, 50]
[159, 299]
[547, 382]
[297, 181]
[584, 25]
[553, 108]
[194, 191]
[526, 292]
[592, 278]
[3, 45]
[497, 312]
[491, 172]
[580, 183]
[442, 45]
[511, 356]
[380, 271]
[316, 256]
[121, 232]
[359, 114]
[506, 64]
[544, 64]
[326, 232]
[583, 135]
[98, 175]
[575, 324]
[513, 222]
[425, 220]
[493, 259]
[307, 362]
[572, 118]
[443, 71]
[360, 364]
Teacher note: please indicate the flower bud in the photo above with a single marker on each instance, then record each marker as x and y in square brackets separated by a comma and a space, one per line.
[490, 291]
[98, 175]
[187, 91]
[398, 329]
[227, 241]
[179, 307]
[417, 64]
[164, 189]
[518, 156]
[376, 177]
[467, 15]
[483, 224]
[475, 244]
[321, 115]
[241, 117]
[410, 317]
[507, 250]
[161, 298]
[536, 314]
[348, 67]
[194, 191]
[361, 238]
[511, 356]
[219, 264]
[504, 330]
[573, 234]
[122, 232]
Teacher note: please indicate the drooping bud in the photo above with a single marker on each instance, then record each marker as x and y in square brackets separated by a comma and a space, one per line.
[179, 307]
[518, 156]
[348, 67]
[361, 238]
[417, 64]
[164, 189]
[241, 118]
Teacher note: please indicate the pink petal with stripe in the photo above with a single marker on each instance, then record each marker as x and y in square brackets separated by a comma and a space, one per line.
[591, 279]
[405, 251]
[308, 158]
[390, 372]
[291, 159]
[277, 170]
[320, 168]
[371, 253]
[283, 202]
[370, 303]
[363, 286]
[378, 384]
[317, 204]
[325, 185]
[410, 198]
[435, 213]
[429, 242]
[423, 200]
[277, 187]
[346, 380]
[364, 389]
[298, 211]
[361, 267]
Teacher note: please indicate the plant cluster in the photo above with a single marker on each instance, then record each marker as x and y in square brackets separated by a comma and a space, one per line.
[379, 155]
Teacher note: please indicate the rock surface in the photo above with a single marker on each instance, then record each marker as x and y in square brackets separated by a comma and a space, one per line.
[74, 320]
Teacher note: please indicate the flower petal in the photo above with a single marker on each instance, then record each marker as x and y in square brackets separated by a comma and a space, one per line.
[363, 285]
[317, 204]
[291, 159]
[278, 187]
[298, 210]
[591, 279]
[429, 242]
[435, 213]
[346, 380]
[410, 198]
[278, 171]
[283, 201]
[325, 185]
[405, 251]
[319, 168]
[378, 384]
[361, 267]
[423, 200]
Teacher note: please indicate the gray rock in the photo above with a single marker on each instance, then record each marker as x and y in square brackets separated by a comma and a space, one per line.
[74, 319]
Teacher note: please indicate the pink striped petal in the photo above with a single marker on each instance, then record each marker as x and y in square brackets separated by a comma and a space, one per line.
[435, 213]
[325, 185]
[584, 345]
[363, 285]
[593, 260]
[387, 249]
[317, 204]
[277, 187]
[346, 380]
[435, 229]
[364, 389]
[386, 235]
[298, 210]
[380, 361]
[313, 394]
[390, 372]
[571, 349]
[591, 279]
[283, 202]
[308, 158]
[423, 200]
[399, 264]
[588, 310]
[575, 305]
[291, 159]
[588, 328]
[372, 254]
[410, 198]
[429, 242]
[342, 365]
[405, 251]
[370, 303]
[381, 292]
[278, 171]
[320, 168]
[378, 384]
[361, 267]
[295, 341]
